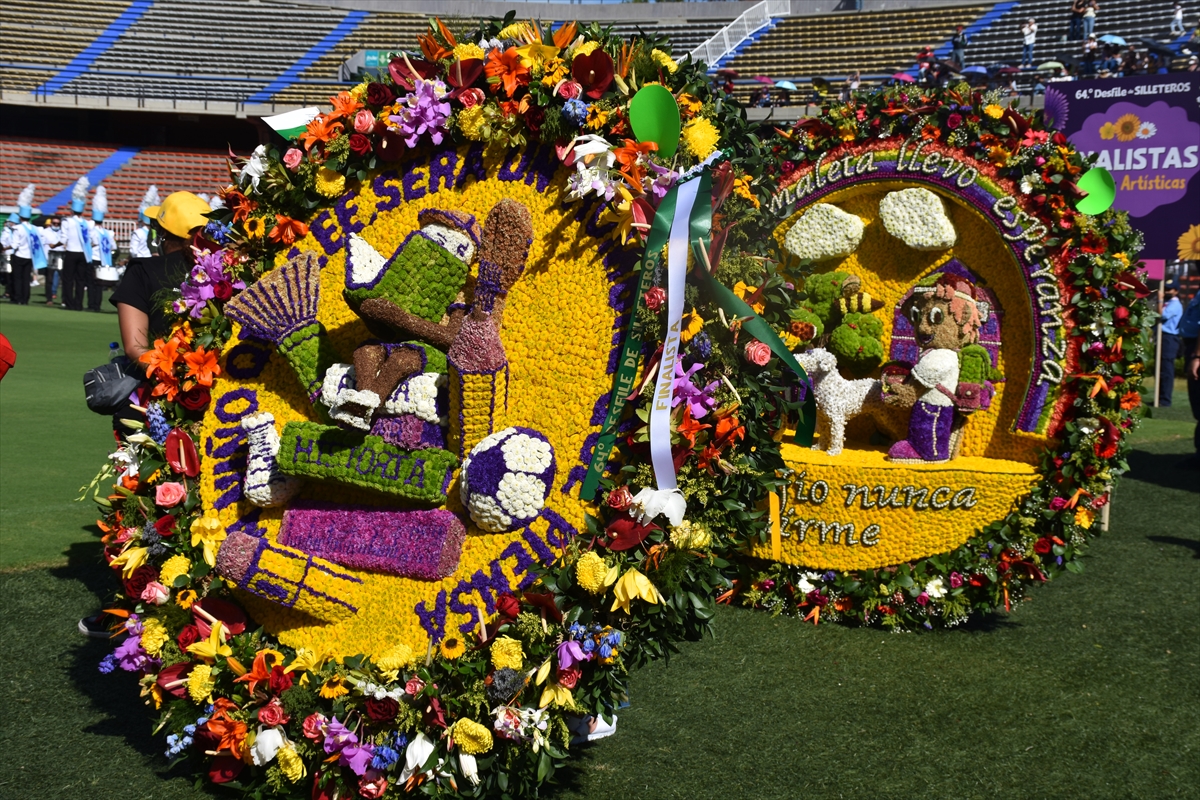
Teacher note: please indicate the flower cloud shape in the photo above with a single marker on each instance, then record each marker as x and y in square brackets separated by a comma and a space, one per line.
[918, 218]
[824, 232]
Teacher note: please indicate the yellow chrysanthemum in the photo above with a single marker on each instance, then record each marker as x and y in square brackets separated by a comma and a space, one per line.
[1127, 127]
[470, 122]
[1189, 244]
[993, 110]
[585, 49]
[185, 598]
[172, 568]
[507, 652]
[1084, 517]
[590, 571]
[200, 684]
[330, 182]
[690, 535]
[452, 647]
[471, 737]
[396, 659]
[700, 137]
[466, 50]
[663, 60]
[290, 763]
[334, 686]
[741, 187]
[359, 91]
[256, 227]
[154, 636]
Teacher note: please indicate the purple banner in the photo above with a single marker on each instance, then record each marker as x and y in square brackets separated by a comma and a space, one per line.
[1145, 130]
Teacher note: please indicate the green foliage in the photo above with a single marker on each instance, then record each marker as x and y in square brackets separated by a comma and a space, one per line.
[821, 293]
[858, 342]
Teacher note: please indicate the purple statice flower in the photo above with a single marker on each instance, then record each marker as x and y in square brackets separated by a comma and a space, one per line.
[424, 112]
[699, 400]
[107, 664]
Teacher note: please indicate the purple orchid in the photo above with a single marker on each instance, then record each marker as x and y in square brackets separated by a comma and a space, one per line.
[341, 740]
[423, 112]
[659, 181]
[699, 400]
[338, 736]
[357, 758]
[130, 656]
[570, 654]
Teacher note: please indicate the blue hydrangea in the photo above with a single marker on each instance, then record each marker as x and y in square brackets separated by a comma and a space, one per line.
[156, 423]
[107, 664]
[219, 232]
[384, 757]
[576, 112]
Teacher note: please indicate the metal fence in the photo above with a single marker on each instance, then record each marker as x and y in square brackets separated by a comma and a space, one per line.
[726, 40]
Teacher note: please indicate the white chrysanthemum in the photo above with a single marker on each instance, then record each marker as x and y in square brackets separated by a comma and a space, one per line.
[918, 218]
[487, 513]
[338, 378]
[417, 396]
[935, 589]
[521, 495]
[824, 232]
[523, 453]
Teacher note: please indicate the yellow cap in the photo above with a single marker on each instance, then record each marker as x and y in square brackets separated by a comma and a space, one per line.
[179, 213]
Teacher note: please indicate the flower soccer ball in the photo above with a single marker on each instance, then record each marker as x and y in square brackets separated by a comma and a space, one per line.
[506, 478]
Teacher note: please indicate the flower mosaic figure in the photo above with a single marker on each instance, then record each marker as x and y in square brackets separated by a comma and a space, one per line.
[948, 376]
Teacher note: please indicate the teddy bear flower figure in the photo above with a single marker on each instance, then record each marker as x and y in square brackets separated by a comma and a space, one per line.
[946, 318]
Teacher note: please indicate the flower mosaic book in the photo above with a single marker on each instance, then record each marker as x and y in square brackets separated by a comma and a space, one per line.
[490, 384]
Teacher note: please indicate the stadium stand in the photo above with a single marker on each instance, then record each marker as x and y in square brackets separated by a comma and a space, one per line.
[1000, 43]
[55, 164]
[41, 37]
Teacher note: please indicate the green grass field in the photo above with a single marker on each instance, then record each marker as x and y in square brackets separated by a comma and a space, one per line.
[1088, 690]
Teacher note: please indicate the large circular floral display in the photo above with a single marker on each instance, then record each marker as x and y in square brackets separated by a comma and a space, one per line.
[488, 385]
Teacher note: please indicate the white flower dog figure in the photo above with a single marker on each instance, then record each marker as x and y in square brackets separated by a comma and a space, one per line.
[838, 400]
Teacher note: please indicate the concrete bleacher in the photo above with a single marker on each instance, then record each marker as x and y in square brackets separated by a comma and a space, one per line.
[43, 36]
[53, 165]
[1001, 42]
[834, 45]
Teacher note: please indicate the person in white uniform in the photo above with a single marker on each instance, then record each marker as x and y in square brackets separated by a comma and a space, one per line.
[104, 249]
[54, 245]
[77, 249]
[28, 249]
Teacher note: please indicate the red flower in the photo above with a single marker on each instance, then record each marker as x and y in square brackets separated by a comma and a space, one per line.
[1043, 546]
[1120, 315]
[222, 290]
[379, 94]
[619, 498]
[382, 710]
[626, 533]
[173, 679]
[279, 681]
[136, 582]
[593, 72]
[165, 525]
[979, 580]
[181, 453]
[233, 617]
[194, 399]
[953, 121]
[272, 713]
[359, 145]
[1093, 243]
[534, 117]
[391, 146]
[545, 601]
[567, 678]
[223, 769]
[435, 715]
[187, 637]
[654, 298]
[1108, 440]
[508, 606]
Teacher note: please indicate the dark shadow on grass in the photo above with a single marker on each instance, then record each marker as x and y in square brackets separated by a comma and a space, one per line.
[1162, 469]
[987, 623]
[1191, 544]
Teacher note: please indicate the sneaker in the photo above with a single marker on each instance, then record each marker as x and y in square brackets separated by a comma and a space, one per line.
[95, 627]
[589, 729]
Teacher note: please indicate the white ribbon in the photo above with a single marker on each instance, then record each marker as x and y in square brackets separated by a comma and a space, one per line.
[660, 412]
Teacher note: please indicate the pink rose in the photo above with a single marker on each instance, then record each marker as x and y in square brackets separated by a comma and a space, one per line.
[470, 97]
[364, 121]
[570, 90]
[654, 297]
[956, 580]
[169, 494]
[314, 725]
[292, 159]
[414, 686]
[923, 599]
[272, 713]
[757, 353]
[155, 593]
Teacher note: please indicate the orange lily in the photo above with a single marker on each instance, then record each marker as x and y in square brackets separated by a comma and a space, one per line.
[344, 106]
[688, 427]
[162, 358]
[202, 365]
[629, 157]
[287, 230]
[167, 386]
[321, 129]
[260, 672]
[242, 206]
[508, 69]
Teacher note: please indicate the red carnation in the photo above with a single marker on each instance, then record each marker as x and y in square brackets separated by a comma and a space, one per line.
[593, 72]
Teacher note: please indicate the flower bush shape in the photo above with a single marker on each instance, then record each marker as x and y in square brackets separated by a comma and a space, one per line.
[918, 218]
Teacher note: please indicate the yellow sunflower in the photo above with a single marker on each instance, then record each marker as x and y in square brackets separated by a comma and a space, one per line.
[1189, 244]
[452, 647]
[334, 687]
[256, 227]
[1108, 131]
[1127, 127]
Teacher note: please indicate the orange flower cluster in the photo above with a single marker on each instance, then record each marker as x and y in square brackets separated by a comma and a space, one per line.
[174, 366]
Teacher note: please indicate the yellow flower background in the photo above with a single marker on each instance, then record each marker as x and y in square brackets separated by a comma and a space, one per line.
[557, 332]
